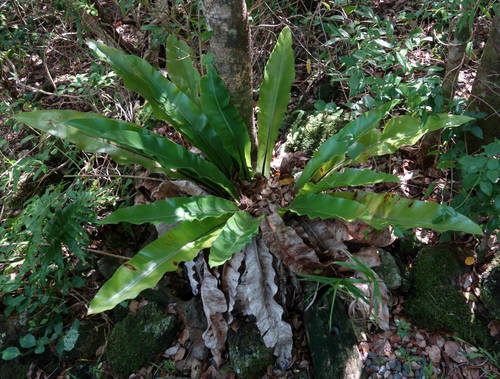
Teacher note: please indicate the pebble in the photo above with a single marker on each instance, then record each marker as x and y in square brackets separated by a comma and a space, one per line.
[387, 374]
[419, 373]
[415, 365]
[371, 354]
[374, 368]
[392, 364]
[398, 376]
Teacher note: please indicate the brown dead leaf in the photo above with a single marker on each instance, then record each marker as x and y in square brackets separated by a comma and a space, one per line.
[287, 246]
[494, 327]
[165, 190]
[370, 256]
[363, 233]
[381, 304]
[434, 353]
[326, 236]
[214, 306]
[395, 339]
[455, 352]
[256, 296]
[181, 352]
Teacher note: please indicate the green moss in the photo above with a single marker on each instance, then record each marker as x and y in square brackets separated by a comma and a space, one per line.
[309, 132]
[490, 288]
[435, 303]
[138, 337]
[248, 355]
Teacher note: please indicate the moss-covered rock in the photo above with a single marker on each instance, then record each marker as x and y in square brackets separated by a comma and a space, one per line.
[333, 346]
[248, 355]
[138, 337]
[490, 288]
[308, 132]
[435, 303]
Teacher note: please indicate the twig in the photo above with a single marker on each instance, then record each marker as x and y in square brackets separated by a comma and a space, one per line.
[102, 252]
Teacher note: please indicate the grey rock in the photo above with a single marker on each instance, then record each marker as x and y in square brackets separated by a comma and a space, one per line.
[248, 355]
[90, 338]
[127, 350]
[389, 270]
[392, 365]
[333, 347]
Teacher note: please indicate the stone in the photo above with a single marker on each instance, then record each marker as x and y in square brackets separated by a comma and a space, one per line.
[90, 338]
[248, 355]
[389, 270]
[333, 347]
[490, 288]
[436, 304]
[138, 337]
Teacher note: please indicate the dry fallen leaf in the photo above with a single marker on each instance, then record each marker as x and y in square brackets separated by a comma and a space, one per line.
[214, 306]
[494, 327]
[287, 246]
[454, 351]
[434, 353]
[256, 295]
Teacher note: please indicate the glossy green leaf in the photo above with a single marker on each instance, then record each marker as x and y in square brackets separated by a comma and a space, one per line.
[349, 177]
[54, 122]
[168, 102]
[173, 210]
[223, 115]
[170, 155]
[10, 353]
[343, 146]
[147, 267]
[181, 69]
[236, 234]
[325, 207]
[388, 209]
[27, 341]
[407, 130]
[274, 96]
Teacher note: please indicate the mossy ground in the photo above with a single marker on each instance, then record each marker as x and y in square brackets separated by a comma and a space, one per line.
[436, 304]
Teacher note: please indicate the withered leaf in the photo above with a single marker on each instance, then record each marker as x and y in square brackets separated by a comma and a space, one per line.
[284, 242]
[214, 306]
[256, 296]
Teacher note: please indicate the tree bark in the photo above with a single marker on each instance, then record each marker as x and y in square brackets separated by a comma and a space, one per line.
[485, 95]
[456, 49]
[230, 45]
[454, 61]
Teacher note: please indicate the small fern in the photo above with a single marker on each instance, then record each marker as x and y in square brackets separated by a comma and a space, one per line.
[40, 237]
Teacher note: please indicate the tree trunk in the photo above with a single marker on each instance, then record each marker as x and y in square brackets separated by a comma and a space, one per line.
[230, 45]
[485, 95]
[454, 61]
[456, 49]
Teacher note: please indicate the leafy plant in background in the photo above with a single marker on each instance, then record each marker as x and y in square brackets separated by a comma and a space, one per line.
[478, 191]
[229, 220]
[37, 270]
